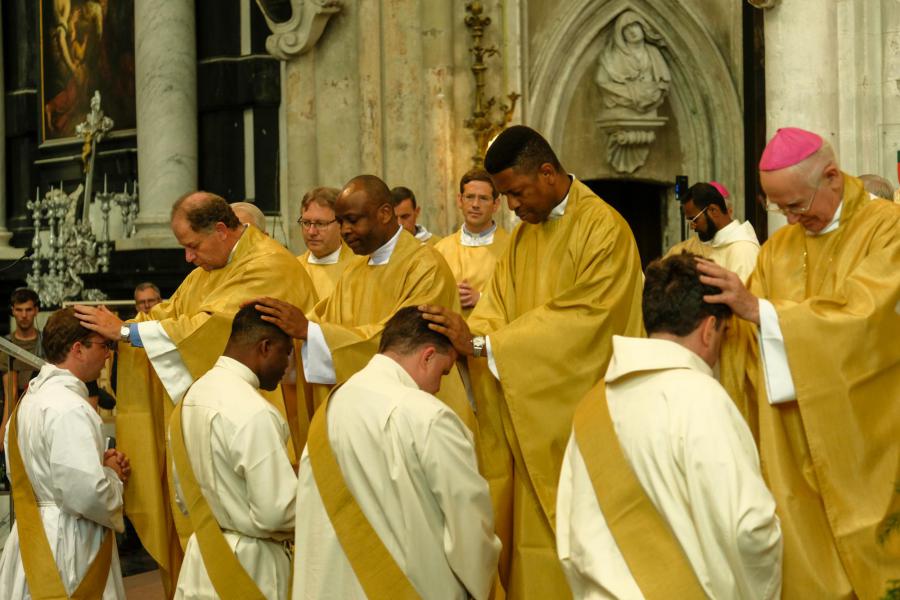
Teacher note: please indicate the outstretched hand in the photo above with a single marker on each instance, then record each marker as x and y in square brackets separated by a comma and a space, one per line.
[451, 324]
[99, 319]
[287, 317]
[743, 303]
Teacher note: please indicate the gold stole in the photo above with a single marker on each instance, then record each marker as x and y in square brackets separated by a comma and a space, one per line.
[651, 551]
[377, 571]
[41, 571]
[227, 574]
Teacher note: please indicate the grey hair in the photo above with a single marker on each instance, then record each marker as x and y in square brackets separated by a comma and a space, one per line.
[878, 186]
[810, 168]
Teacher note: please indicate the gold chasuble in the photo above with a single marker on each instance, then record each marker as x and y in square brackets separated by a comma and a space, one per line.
[474, 264]
[366, 296]
[197, 318]
[325, 277]
[558, 295]
[832, 458]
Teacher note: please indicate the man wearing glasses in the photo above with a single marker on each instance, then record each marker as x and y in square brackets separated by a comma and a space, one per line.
[326, 256]
[824, 301]
[719, 238]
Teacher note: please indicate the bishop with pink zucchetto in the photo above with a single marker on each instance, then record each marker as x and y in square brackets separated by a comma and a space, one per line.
[814, 364]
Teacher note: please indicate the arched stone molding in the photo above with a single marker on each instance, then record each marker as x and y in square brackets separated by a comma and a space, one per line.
[704, 99]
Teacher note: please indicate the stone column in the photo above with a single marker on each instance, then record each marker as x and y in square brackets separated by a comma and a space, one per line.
[802, 72]
[166, 84]
[5, 250]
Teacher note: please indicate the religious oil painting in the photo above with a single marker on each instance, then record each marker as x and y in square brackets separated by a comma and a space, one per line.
[86, 46]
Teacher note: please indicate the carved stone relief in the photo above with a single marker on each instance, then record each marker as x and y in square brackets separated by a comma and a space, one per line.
[633, 78]
[295, 28]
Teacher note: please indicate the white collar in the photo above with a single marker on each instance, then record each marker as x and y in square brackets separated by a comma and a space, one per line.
[239, 369]
[422, 234]
[383, 254]
[733, 232]
[485, 238]
[834, 224]
[328, 259]
[237, 243]
[560, 209]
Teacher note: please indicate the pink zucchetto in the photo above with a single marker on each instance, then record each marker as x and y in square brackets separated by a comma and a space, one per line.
[720, 188]
[789, 146]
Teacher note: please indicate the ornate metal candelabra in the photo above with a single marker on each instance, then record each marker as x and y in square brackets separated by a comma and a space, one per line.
[65, 245]
[483, 126]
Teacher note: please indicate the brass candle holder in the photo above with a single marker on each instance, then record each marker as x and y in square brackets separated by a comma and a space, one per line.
[482, 122]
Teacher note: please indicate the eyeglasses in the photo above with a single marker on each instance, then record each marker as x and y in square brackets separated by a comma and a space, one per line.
[694, 220]
[793, 209]
[110, 344]
[317, 224]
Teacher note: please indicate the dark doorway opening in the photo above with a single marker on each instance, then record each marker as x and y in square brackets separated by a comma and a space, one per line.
[642, 204]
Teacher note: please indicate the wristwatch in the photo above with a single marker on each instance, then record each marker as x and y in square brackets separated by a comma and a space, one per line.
[478, 343]
[124, 332]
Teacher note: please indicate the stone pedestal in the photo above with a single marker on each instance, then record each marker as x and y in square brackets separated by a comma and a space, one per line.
[166, 83]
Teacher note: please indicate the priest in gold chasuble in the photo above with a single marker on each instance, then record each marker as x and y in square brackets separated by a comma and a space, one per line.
[164, 351]
[824, 301]
[569, 281]
[391, 269]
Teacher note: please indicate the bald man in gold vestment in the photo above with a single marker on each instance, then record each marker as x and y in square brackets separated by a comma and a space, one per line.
[824, 301]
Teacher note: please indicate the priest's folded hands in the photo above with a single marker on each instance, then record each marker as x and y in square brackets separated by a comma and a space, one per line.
[286, 316]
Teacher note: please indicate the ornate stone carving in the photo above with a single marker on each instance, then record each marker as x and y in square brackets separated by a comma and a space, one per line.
[763, 3]
[634, 81]
[299, 33]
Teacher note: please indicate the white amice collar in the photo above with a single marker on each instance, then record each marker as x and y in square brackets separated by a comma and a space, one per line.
[485, 238]
[383, 254]
[560, 209]
[422, 234]
[328, 259]
[834, 224]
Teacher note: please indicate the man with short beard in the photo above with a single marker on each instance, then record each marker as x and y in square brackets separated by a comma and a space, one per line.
[719, 237]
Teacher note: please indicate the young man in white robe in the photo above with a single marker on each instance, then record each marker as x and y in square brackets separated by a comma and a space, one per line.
[77, 483]
[691, 452]
[720, 238]
[409, 463]
[235, 441]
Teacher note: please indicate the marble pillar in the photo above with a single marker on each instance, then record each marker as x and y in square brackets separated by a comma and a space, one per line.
[6, 252]
[166, 84]
[801, 72]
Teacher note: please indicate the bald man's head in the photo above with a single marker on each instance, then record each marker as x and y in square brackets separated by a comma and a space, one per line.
[365, 214]
[207, 227]
[249, 214]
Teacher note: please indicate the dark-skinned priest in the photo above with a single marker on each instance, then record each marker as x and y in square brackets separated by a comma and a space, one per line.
[538, 340]
[391, 269]
[164, 351]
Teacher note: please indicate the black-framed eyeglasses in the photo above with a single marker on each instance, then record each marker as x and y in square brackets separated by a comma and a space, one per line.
[317, 224]
[110, 344]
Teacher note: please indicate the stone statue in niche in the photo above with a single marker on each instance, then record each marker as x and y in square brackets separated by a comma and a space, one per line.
[633, 78]
[633, 73]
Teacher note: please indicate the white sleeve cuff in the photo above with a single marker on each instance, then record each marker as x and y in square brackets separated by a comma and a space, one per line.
[318, 366]
[165, 358]
[779, 383]
[492, 364]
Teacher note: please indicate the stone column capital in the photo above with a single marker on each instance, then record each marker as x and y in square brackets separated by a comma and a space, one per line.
[763, 3]
[301, 30]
